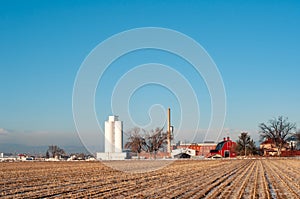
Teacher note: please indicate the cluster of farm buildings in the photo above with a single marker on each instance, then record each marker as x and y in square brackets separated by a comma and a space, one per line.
[223, 149]
[226, 148]
[114, 148]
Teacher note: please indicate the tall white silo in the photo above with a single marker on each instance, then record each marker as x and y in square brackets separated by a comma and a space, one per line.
[118, 136]
[109, 137]
[113, 135]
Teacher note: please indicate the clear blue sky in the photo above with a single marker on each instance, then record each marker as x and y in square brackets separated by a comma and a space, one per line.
[255, 45]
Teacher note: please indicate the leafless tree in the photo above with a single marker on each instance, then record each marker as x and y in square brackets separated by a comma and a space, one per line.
[135, 141]
[278, 130]
[54, 151]
[155, 140]
[148, 141]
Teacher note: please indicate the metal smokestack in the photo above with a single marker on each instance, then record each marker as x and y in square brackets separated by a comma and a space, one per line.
[169, 132]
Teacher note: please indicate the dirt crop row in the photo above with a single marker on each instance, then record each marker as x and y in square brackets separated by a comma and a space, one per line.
[249, 178]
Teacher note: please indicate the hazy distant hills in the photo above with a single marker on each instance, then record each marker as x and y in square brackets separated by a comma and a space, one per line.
[19, 148]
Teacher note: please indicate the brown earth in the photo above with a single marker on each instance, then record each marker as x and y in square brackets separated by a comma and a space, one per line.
[249, 178]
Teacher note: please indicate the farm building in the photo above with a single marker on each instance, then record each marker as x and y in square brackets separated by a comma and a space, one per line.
[24, 157]
[269, 148]
[225, 149]
[293, 143]
[183, 153]
[201, 149]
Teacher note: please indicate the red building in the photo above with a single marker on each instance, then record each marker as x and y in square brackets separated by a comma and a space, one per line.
[225, 149]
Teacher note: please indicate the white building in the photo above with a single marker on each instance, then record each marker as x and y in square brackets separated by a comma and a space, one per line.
[113, 140]
[177, 152]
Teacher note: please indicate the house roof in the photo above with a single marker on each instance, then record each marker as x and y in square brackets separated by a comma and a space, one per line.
[268, 141]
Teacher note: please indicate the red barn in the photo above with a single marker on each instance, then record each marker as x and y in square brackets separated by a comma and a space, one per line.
[224, 149]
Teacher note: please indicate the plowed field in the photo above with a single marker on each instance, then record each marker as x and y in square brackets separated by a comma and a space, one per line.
[258, 178]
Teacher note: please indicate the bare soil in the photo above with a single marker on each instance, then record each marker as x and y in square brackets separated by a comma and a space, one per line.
[249, 178]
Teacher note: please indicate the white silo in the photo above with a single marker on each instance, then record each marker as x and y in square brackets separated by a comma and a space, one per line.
[113, 140]
[118, 136]
[113, 135]
[109, 137]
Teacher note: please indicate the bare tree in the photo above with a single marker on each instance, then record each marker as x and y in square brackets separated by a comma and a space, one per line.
[135, 141]
[278, 130]
[54, 150]
[148, 141]
[155, 140]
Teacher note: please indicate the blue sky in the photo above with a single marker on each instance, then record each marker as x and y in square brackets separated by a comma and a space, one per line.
[255, 45]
